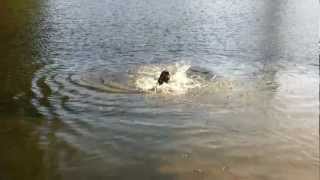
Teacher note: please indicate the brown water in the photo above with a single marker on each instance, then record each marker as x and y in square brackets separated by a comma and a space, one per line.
[69, 108]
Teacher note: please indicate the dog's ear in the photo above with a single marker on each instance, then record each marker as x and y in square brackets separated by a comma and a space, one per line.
[160, 79]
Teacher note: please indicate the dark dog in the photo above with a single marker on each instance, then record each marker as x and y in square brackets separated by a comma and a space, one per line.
[164, 77]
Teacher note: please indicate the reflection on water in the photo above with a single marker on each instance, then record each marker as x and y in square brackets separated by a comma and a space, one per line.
[75, 99]
[16, 51]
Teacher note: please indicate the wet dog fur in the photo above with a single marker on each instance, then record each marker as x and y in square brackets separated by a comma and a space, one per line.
[164, 77]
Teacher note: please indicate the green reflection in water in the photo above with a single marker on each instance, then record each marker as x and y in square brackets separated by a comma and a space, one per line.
[20, 154]
[18, 54]
[23, 155]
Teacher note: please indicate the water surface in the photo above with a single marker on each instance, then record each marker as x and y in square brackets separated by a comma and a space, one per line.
[77, 77]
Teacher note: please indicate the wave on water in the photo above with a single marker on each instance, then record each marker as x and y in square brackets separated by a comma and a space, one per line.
[97, 83]
[182, 79]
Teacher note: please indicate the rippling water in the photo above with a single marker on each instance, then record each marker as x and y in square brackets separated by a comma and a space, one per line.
[242, 102]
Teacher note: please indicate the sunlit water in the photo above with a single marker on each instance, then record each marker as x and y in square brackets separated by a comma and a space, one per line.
[242, 102]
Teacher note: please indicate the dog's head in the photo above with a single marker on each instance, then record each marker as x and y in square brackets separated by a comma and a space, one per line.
[164, 77]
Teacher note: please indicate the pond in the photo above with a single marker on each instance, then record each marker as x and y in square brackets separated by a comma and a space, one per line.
[78, 97]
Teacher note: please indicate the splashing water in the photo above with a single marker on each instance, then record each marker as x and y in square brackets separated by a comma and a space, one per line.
[180, 82]
[184, 79]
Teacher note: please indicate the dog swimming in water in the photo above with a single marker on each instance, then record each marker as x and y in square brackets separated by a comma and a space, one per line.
[164, 77]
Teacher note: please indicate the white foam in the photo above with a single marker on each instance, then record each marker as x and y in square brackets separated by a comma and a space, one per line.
[180, 83]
